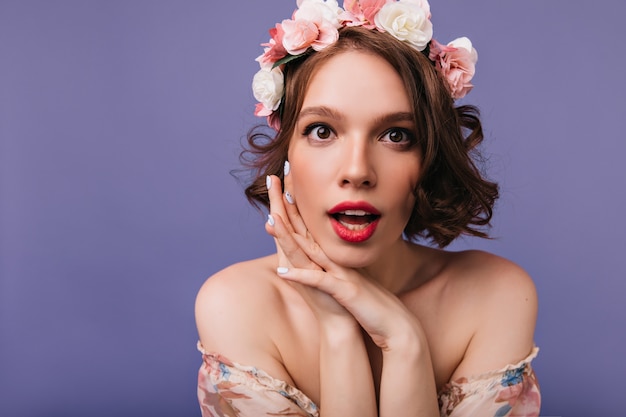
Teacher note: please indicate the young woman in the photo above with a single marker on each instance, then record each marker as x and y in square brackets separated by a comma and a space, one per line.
[350, 316]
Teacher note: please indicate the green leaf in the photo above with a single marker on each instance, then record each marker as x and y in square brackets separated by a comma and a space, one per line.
[286, 59]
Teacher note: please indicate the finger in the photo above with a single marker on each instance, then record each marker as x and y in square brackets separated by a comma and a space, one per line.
[287, 243]
[315, 253]
[270, 228]
[274, 192]
[282, 258]
[340, 290]
[290, 204]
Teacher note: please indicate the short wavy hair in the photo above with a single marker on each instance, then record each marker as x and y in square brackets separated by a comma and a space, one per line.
[452, 196]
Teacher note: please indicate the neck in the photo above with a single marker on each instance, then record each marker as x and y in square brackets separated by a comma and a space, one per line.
[399, 269]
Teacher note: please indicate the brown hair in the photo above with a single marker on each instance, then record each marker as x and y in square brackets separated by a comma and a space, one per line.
[452, 197]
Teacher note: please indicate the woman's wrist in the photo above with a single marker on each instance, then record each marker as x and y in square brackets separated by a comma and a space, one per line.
[407, 339]
[339, 331]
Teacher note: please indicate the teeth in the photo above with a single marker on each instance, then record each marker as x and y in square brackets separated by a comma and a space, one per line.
[354, 226]
[355, 213]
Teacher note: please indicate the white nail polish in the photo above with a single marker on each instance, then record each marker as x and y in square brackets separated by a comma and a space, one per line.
[268, 182]
[288, 197]
[270, 220]
[282, 270]
[287, 168]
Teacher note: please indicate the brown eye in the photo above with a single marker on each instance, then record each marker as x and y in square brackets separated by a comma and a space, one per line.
[318, 132]
[322, 132]
[396, 136]
[399, 137]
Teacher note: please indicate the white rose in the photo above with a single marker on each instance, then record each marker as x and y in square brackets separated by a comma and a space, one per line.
[407, 21]
[319, 11]
[421, 3]
[268, 87]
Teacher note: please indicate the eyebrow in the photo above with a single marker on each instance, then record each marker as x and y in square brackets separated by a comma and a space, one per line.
[320, 111]
[325, 111]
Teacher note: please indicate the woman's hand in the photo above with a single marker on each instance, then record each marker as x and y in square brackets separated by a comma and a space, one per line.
[346, 382]
[342, 299]
[286, 225]
[332, 291]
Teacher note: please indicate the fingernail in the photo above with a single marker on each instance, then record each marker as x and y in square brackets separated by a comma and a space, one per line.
[268, 182]
[288, 197]
[282, 270]
[287, 168]
[270, 220]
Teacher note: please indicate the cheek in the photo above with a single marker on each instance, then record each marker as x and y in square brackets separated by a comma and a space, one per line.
[307, 173]
[302, 183]
[407, 186]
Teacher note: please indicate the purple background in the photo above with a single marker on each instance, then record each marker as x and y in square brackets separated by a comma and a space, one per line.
[120, 121]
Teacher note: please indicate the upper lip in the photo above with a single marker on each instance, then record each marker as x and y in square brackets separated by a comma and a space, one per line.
[354, 205]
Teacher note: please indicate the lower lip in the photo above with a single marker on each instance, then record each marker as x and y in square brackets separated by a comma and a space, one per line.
[353, 236]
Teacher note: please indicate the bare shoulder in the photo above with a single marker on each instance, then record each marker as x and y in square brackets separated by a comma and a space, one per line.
[503, 302]
[235, 310]
[237, 285]
[491, 277]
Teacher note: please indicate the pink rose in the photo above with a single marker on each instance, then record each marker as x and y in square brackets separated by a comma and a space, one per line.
[362, 12]
[328, 35]
[273, 121]
[324, 15]
[318, 11]
[299, 35]
[437, 50]
[274, 49]
[457, 63]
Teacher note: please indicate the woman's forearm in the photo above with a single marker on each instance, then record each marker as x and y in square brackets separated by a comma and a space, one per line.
[407, 385]
[346, 383]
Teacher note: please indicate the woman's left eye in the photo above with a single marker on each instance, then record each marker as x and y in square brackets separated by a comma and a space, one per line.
[397, 135]
[318, 131]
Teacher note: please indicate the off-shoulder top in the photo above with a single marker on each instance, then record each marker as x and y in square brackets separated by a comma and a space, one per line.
[228, 389]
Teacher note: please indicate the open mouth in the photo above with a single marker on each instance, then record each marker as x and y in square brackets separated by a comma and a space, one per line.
[355, 220]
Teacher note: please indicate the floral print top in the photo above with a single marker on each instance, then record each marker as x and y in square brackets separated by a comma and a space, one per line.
[227, 389]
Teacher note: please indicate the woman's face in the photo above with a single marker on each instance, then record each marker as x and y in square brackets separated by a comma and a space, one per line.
[354, 158]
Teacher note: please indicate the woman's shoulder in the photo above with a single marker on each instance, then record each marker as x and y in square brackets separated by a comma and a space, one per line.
[472, 273]
[238, 288]
[241, 273]
[236, 309]
[237, 283]
[502, 299]
[488, 276]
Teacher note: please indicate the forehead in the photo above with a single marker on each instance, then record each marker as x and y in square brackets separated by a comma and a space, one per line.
[359, 80]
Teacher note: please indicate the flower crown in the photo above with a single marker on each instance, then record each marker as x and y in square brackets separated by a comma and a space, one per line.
[315, 25]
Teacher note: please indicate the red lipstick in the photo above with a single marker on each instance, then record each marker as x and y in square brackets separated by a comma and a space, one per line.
[354, 222]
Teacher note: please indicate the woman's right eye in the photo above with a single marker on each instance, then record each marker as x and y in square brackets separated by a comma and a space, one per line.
[318, 132]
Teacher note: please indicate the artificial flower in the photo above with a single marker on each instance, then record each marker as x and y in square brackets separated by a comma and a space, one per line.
[407, 21]
[423, 4]
[319, 11]
[268, 87]
[315, 25]
[457, 63]
[299, 35]
[274, 49]
[362, 12]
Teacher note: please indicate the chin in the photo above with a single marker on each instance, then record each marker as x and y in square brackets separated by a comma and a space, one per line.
[352, 257]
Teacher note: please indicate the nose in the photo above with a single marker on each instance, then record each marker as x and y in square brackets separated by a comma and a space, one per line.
[358, 167]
